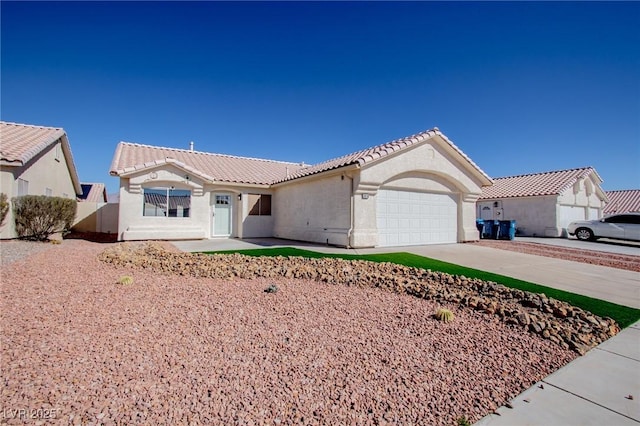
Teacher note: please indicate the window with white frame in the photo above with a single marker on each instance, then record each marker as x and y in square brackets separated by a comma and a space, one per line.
[23, 187]
[166, 202]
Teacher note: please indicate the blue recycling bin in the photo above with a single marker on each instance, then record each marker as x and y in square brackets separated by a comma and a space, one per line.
[507, 230]
[480, 225]
[490, 229]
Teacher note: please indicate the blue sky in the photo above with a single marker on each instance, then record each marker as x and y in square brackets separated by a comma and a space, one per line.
[520, 87]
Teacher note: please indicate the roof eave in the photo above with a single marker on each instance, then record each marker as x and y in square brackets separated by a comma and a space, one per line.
[139, 168]
[324, 173]
[73, 171]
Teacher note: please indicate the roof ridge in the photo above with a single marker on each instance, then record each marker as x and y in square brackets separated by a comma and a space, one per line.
[622, 190]
[30, 125]
[544, 173]
[209, 153]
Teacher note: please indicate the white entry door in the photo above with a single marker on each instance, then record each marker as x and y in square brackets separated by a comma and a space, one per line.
[221, 215]
[410, 218]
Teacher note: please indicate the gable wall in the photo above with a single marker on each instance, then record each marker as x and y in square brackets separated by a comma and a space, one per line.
[427, 167]
[49, 169]
[132, 225]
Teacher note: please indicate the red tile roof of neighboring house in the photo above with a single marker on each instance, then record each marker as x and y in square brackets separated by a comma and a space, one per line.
[19, 143]
[130, 157]
[622, 201]
[93, 192]
[547, 183]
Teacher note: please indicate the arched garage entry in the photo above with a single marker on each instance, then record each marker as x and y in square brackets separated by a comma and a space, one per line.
[417, 208]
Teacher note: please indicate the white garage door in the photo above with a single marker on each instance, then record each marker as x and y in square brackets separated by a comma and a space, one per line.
[411, 218]
[569, 214]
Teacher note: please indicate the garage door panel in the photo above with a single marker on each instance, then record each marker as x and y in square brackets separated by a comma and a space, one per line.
[410, 218]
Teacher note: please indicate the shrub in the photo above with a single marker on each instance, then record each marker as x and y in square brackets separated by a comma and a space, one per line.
[38, 216]
[444, 315]
[4, 207]
[463, 421]
[125, 280]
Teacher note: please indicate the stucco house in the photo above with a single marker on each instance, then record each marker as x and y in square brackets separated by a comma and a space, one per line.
[622, 201]
[35, 160]
[421, 189]
[543, 204]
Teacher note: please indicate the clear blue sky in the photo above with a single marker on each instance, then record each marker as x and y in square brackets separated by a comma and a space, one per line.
[519, 87]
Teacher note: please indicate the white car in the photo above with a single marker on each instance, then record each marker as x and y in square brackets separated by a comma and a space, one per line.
[620, 226]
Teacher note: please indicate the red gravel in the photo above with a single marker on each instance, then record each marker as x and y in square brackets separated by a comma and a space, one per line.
[169, 350]
[619, 261]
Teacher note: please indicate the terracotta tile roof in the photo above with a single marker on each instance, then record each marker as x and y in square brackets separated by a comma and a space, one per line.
[622, 201]
[19, 143]
[93, 192]
[131, 157]
[375, 153]
[547, 183]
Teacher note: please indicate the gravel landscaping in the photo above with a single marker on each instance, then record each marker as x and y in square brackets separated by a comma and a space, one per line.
[171, 348]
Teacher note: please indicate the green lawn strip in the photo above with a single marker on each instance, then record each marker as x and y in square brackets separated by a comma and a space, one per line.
[623, 315]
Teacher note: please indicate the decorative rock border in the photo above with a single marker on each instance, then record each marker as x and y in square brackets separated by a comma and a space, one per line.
[564, 324]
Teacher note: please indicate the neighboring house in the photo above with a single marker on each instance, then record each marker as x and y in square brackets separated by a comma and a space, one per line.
[35, 160]
[93, 193]
[94, 213]
[420, 189]
[543, 204]
[625, 201]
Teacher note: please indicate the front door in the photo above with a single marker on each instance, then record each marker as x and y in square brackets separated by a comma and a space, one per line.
[221, 215]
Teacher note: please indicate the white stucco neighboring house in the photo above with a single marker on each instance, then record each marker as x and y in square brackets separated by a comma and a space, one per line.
[35, 160]
[622, 201]
[421, 189]
[543, 204]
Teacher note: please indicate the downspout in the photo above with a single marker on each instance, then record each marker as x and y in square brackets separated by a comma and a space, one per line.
[351, 212]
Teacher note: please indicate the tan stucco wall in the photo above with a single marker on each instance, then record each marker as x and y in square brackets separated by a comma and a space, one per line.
[43, 171]
[96, 217]
[315, 209]
[534, 216]
[254, 226]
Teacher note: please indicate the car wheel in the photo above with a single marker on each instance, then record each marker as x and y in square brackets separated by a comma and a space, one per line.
[584, 234]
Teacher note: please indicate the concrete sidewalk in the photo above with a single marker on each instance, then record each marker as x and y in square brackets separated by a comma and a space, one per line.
[600, 388]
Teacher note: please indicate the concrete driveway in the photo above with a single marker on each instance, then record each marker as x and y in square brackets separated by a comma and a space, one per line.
[604, 244]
